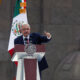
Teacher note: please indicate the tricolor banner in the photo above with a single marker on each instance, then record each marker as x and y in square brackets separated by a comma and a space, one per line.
[20, 17]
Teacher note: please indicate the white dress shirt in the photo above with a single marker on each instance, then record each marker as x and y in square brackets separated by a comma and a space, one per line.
[25, 37]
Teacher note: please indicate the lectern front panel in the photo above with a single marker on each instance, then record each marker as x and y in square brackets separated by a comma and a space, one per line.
[30, 66]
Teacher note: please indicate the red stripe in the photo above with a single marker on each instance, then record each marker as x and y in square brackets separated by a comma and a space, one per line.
[26, 3]
[14, 78]
[24, 0]
[11, 52]
[16, 63]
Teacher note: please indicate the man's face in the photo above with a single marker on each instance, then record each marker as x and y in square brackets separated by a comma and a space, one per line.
[25, 30]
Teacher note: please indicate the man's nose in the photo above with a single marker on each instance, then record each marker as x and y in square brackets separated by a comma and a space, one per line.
[26, 30]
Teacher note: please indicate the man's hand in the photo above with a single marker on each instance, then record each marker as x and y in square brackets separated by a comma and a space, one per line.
[47, 34]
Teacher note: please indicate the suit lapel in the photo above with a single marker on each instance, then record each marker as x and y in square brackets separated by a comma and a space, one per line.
[30, 38]
[22, 41]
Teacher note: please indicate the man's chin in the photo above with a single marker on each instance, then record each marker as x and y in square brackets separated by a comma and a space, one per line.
[26, 35]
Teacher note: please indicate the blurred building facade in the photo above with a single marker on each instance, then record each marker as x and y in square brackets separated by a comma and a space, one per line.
[59, 17]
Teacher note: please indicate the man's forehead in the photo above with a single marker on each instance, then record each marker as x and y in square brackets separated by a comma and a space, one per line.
[26, 26]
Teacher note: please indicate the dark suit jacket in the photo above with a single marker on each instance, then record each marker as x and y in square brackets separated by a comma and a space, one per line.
[35, 38]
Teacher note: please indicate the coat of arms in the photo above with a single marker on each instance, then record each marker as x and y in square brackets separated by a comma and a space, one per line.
[16, 27]
[30, 49]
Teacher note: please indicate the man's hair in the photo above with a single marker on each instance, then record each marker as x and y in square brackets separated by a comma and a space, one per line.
[24, 25]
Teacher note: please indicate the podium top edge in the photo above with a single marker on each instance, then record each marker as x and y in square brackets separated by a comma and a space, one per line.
[21, 48]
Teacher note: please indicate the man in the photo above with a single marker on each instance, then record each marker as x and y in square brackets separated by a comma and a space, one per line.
[34, 38]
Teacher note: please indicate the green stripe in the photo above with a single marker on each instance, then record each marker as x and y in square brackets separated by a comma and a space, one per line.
[17, 7]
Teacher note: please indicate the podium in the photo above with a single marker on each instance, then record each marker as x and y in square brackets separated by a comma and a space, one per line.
[28, 68]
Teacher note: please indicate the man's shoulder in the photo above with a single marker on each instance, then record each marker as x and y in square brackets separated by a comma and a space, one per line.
[19, 37]
[18, 40]
[35, 34]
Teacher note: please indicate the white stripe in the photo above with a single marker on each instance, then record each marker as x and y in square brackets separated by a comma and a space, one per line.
[19, 18]
[22, 0]
[19, 75]
[38, 74]
[24, 77]
[22, 7]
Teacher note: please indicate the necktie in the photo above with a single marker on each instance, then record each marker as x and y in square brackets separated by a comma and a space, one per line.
[25, 41]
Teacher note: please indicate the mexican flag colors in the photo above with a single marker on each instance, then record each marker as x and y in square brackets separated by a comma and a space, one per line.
[20, 17]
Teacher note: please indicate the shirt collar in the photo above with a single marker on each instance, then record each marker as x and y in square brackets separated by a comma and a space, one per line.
[26, 37]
